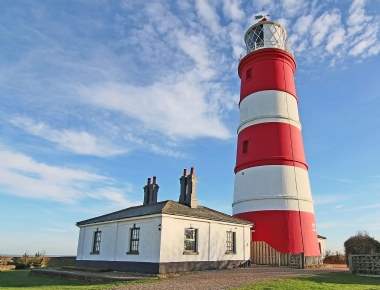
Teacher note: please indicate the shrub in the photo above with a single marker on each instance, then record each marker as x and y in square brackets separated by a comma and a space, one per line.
[4, 261]
[361, 243]
[27, 261]
[331, 258]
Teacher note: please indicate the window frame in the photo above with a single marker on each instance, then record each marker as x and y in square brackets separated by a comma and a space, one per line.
[193, 251]
[230, 242]
[96, 241]
[134, 240]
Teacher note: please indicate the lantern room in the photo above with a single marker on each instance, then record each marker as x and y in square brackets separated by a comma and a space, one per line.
[265, 34]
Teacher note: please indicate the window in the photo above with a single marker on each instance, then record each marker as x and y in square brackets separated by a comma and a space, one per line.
[134, 240]
[245, 146]
[191, 241]
[231, 243]
[96, 242]
[248, 74]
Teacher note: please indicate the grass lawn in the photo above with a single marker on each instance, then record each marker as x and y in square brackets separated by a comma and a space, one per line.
[341, 281]
[20, 279]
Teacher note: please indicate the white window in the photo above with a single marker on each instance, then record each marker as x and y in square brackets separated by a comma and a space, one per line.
[231, 243]
[96, 242]
[134, 240]
[191, 241]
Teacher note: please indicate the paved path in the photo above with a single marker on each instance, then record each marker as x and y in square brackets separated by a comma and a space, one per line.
[224, 279]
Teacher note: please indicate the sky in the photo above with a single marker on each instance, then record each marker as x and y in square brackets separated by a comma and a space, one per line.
[96, 96]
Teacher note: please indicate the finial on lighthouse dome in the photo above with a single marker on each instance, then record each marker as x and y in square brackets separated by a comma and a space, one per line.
[265, 34]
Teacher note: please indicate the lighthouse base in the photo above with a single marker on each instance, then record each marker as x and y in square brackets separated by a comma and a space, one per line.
[286, 231]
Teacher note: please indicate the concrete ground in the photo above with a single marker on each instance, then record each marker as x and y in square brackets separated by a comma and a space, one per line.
[226, 279]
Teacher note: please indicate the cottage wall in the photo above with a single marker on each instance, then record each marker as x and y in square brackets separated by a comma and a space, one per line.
[161, 245]
[212, 238]
[115, 241]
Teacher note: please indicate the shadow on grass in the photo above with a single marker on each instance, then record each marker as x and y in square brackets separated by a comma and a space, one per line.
[343, 279]
[22, 278]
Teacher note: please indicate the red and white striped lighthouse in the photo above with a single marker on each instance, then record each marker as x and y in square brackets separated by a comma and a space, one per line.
[272, 187]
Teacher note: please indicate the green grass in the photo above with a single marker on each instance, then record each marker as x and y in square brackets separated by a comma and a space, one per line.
[329, 281]
[20, 279]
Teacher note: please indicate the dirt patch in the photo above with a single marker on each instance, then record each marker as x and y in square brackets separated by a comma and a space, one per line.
[226, 279]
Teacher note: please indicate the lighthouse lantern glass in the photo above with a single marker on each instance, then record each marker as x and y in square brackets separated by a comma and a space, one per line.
[265, 34]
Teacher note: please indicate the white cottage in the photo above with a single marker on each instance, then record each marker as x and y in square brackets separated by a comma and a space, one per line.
[166, 236]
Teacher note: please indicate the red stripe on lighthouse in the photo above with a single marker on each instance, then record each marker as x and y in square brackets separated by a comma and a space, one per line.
[286, 231]
[270, 144]
[267, 69]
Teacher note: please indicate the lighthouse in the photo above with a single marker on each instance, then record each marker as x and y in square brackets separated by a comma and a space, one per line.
[272, 188]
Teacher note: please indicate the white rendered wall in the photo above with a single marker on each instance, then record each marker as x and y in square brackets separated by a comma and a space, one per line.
[272, 187]
[115, 241]
[211, 240]
[322, 242]
[269, 106]
[166, 245]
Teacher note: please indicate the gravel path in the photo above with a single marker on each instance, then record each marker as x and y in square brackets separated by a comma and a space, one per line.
[224, 279]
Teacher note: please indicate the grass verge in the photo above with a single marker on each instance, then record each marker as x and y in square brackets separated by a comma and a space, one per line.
[20, 279]
[329, 281]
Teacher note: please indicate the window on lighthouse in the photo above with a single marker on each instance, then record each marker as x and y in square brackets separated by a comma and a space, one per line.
[248, 74]
[245, 146]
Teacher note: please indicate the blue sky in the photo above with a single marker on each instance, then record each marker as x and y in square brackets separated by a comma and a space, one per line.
[95, 96]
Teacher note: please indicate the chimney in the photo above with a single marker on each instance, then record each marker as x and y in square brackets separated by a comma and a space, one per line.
[150, 191]
[188, 194]
[183, 182]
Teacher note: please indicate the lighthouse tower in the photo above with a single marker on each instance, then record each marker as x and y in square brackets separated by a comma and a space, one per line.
[272, 187]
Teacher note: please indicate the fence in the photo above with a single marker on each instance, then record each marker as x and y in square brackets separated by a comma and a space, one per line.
[364, 264]
[264, 254]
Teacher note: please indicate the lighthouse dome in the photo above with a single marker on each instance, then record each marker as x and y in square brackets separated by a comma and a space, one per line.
[265, 34]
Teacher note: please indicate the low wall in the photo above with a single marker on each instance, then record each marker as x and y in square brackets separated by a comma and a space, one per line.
[364, 264]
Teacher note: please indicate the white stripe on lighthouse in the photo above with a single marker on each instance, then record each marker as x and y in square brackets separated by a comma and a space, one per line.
[272, 204]
[272, 187]
[268, 106]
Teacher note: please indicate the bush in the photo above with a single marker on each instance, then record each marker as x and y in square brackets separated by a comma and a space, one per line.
[5, 261]
[361, 243]
[36, 261]
[331, 258]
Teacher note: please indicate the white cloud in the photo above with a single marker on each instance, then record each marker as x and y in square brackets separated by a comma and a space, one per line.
[323, 25]
[23, 176]
[232, 9]
[322, 32]
[292, 7]
[208, 14]
[302, 25]
[195, 46]
[357, 16]
[335, 39]
[174, 107]
[78, 142]
[235, 32]
[363, 31]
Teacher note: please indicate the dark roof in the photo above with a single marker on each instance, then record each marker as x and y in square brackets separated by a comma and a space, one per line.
[165, 207]
[321, 237]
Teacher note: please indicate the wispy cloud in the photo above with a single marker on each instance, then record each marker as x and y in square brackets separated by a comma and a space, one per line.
[171, 72]
[23, 176]
[78, 142]
[329, 199]
[207, 13]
